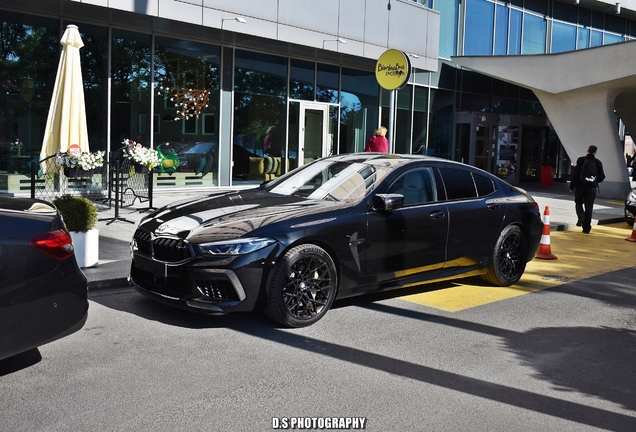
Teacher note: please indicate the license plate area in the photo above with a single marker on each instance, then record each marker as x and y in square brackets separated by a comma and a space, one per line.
[154, 267]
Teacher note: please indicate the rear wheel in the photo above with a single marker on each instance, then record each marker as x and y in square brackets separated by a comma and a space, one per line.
[303, 286]
[509, 258]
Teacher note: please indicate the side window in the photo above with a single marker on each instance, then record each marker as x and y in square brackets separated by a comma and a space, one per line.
[417, 186]
[459, 183]
[485, 186]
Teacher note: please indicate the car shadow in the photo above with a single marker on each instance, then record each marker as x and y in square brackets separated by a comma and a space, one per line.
[595, 361]
[130, 301]
[20, 361]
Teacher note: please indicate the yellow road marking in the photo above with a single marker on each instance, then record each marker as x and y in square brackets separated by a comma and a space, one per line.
[580, 256]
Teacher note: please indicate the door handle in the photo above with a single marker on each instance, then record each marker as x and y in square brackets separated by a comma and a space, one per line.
[437, 214]
[493, 206]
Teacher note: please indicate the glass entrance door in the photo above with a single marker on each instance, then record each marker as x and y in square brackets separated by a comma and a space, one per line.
[483, 153]
[313, 131]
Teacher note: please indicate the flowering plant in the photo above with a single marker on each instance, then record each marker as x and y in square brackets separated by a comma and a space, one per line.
[85, 160]
[141, 155]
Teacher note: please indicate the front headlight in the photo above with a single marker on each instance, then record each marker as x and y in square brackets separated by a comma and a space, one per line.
[240, 246]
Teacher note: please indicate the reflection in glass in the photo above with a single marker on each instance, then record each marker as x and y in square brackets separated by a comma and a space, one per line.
[514, 44]
[327, 83]
[359, 109]
[448, 27]
[130, 88]
[501, 30]
[534, 34]
[30, 55]
[188, 135]
[610, 38]
[420, 124]
[403, 121]
[440, 135]
[479, 27]
[260, 85]
[563, 37]
[301, 79]
[583, 38]
[293, 137]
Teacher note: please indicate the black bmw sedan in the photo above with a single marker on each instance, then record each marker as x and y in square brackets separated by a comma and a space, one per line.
[338, 227]
[43, 292]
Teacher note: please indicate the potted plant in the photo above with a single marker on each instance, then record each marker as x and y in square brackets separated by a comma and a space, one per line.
[142, 158]
[80, 216]
[83, 164]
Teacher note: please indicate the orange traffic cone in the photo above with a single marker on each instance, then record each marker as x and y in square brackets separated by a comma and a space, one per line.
[632, 238]
[545, 252]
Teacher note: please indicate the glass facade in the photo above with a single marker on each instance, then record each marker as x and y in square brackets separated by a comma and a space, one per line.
[228, 117]
[522, 27]
[30, 57]
[186, 106]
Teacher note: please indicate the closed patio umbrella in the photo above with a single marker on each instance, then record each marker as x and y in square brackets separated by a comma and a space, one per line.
[66, 122]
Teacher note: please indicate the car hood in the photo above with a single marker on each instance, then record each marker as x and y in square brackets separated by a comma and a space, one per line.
[228, 215]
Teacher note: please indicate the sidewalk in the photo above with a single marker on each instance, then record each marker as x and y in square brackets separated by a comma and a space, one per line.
[115, 234]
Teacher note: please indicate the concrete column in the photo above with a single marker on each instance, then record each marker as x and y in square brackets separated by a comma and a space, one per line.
[579, 91]
[585, 117]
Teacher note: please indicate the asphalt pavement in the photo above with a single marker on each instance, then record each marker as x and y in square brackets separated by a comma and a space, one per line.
[117, 226]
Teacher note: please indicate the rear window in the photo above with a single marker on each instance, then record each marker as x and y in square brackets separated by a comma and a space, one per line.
[459, 183]
[485, 186]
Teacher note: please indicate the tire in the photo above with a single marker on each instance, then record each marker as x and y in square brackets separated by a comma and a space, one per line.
[509, 258]
[303, 286]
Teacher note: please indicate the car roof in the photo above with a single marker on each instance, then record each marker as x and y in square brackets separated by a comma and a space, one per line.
[375, 157]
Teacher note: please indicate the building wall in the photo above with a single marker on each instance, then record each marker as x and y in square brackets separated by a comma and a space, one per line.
[367, 25]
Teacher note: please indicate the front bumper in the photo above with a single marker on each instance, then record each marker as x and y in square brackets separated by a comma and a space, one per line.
[202, 286]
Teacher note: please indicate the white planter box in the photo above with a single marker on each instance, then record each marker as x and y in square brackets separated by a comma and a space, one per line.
[86, 247]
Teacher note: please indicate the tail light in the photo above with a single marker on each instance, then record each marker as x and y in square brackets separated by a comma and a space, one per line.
[57, 244]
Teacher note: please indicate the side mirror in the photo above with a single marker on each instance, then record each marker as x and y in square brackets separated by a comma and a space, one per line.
[388, 202]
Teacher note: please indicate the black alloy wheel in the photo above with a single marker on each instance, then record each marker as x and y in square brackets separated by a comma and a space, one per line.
[509, 258]
[303, 286]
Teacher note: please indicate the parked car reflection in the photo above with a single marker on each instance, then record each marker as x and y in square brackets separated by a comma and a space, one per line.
[201, 158]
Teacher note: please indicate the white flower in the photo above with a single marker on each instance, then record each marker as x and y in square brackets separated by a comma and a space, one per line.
[141, 155]
[85, 160]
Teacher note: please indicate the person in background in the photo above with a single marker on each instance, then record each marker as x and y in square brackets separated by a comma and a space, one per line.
[378, 142]
[270, 143]
[588, 173]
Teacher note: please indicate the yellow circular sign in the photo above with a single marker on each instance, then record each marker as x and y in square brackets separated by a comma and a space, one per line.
[393, 69]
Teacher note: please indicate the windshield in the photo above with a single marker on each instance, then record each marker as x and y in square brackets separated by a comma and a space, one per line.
[332, 180]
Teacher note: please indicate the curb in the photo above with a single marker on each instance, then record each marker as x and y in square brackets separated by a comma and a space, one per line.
[611, 221]
[107, 283]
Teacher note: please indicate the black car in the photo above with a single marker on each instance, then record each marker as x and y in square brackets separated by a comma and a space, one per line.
[43, 292]
[202, 157]
[630, 207]
[337, 227]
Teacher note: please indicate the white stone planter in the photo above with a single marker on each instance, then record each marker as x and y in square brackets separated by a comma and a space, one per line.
[86, 247]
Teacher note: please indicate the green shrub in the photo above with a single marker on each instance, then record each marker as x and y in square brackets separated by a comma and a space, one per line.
[79, 213]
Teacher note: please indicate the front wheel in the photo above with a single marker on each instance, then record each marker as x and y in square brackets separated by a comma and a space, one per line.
[509, 258]
[303, 286]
